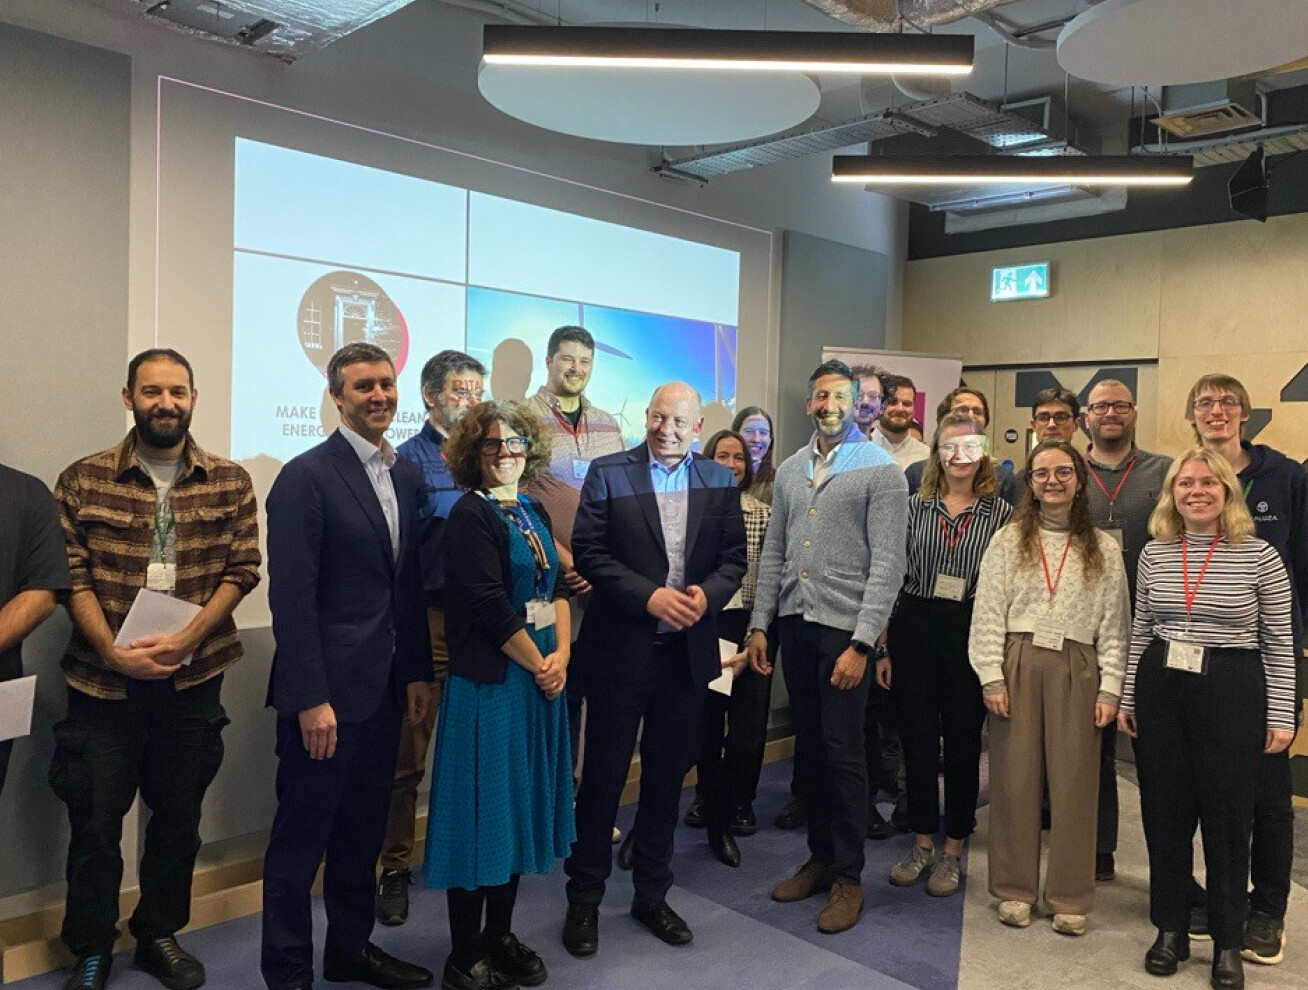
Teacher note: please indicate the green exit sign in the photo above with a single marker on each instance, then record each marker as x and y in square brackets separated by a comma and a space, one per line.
[1020, 282]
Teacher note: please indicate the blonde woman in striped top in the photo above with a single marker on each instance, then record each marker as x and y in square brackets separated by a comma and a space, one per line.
[1209, 687]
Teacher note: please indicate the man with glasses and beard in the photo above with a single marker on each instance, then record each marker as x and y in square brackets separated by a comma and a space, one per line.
[871, 396]
[154, 512]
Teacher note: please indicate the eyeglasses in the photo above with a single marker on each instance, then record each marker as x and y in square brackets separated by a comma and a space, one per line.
[1047, 417]
[1064, 472]
[970, 410]
[869, 396]
[514, 445]
[1227, 402]
[464, 394]
[1099, 408]
[969, 448]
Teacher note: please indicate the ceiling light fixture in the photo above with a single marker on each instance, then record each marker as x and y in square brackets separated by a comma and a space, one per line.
[953, 170]
[859, 53]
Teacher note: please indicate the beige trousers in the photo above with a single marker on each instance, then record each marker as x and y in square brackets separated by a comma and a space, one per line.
[1050, 730]
[411, 762]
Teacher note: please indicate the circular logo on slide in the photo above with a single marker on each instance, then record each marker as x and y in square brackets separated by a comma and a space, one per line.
[346, 307]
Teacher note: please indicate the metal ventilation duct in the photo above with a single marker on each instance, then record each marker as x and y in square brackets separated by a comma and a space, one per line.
[954, 123]
[901, 15]
[285, 29]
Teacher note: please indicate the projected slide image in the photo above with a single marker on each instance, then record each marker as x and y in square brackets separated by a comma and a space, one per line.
[289, 317]
[327, 252]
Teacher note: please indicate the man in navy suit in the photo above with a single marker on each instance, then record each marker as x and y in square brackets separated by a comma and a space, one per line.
[660, 537]
[352, 659]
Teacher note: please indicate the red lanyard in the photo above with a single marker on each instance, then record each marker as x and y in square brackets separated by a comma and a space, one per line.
[1190, 593]
[1053, 585]
[1112, 499]
[954, 534]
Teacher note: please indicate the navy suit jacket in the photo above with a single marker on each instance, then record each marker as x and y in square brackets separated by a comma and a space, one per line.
[348, 617]
[617, 544]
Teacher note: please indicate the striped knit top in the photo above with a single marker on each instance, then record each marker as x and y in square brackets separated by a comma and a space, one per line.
[942, 544]
[1243, 602]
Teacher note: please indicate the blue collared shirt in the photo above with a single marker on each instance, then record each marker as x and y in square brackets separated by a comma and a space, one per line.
[377, 463]
[437, 498]
[672, 492]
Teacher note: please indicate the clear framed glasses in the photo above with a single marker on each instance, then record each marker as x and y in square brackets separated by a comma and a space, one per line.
[1053, 417]
[1208, 402]
[968, 448]
[1099, 408]
[977, 411]
[466, 394]
[514, 445]
[1063, 473]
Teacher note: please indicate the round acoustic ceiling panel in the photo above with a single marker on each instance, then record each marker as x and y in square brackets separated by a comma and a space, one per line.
[651, 106]
[1174, 42]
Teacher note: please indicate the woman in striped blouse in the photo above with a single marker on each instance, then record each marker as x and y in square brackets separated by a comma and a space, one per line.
[1209, 686]
[1049, 640]
[935, 692]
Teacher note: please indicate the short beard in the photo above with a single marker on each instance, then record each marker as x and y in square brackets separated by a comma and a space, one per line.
[148, 431]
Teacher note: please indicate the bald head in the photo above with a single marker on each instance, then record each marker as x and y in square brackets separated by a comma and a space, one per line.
[672, 422]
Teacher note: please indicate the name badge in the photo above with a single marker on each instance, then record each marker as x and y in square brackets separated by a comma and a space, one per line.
[579, 467]
[1048, 635]
[950, 587]
[1118, 538]
[540, 613]
[1185, 656]
[161, 577]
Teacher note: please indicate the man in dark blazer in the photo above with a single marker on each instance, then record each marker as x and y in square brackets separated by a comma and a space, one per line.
[660, 537]
[352, 659]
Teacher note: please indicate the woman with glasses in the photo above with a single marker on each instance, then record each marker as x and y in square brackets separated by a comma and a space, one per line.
[951, 520]
[1048, 643]
[755, 426]
[501, 794]
[735, 726]
[1209, 688]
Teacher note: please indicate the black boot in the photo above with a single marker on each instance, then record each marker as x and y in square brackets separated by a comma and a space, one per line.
[1169, 948]
[724, 846]
[624, 850]
[1228, 970]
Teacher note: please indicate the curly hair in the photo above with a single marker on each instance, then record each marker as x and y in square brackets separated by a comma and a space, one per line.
[934, 480]
[1081, 526]
[462, 450]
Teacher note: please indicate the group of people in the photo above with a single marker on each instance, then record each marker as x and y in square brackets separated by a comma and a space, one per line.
[543, 601]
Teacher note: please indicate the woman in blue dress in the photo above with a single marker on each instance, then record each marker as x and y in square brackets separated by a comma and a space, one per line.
[501, 796]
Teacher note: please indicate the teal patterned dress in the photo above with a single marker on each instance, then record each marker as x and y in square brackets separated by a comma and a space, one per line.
[501, 794]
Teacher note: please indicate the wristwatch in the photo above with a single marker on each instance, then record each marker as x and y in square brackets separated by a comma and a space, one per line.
[880, 653]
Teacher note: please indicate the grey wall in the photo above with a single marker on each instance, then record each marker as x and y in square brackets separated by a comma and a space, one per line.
[64, 142]
[831, 294]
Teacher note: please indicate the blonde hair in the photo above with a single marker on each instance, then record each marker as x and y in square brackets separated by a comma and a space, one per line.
[1165, 522]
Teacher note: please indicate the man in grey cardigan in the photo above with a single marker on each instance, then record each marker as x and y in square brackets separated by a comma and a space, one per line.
[832, 565]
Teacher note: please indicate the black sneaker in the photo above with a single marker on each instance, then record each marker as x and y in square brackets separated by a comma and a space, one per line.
[695, 813]
[519, 963]
[393, 897]
[743, 821]
[876, 825]
[1264, 939]
[90, 972]
[169, 963]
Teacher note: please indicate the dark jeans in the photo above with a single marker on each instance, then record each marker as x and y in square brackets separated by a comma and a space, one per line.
[663, 693]
[883, 748]
[1201, 738]
[734, 733]
[936, 693]
[1106, 832]
[1273, 836]
[164, 742]
[830, 766]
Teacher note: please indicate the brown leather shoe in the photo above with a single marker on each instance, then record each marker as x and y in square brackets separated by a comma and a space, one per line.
[844, 905]
[807, 881]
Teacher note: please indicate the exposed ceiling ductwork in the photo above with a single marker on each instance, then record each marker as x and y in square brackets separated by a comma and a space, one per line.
[285, 29]
[900, 15]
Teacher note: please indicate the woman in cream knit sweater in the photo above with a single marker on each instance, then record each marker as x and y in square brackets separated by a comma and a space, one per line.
[1049, 637]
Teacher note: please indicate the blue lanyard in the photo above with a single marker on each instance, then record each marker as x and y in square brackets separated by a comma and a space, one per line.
[522, 520]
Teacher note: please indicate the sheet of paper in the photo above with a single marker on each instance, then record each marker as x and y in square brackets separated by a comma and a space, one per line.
[16, 700]
[153, 613]
[722, 684]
